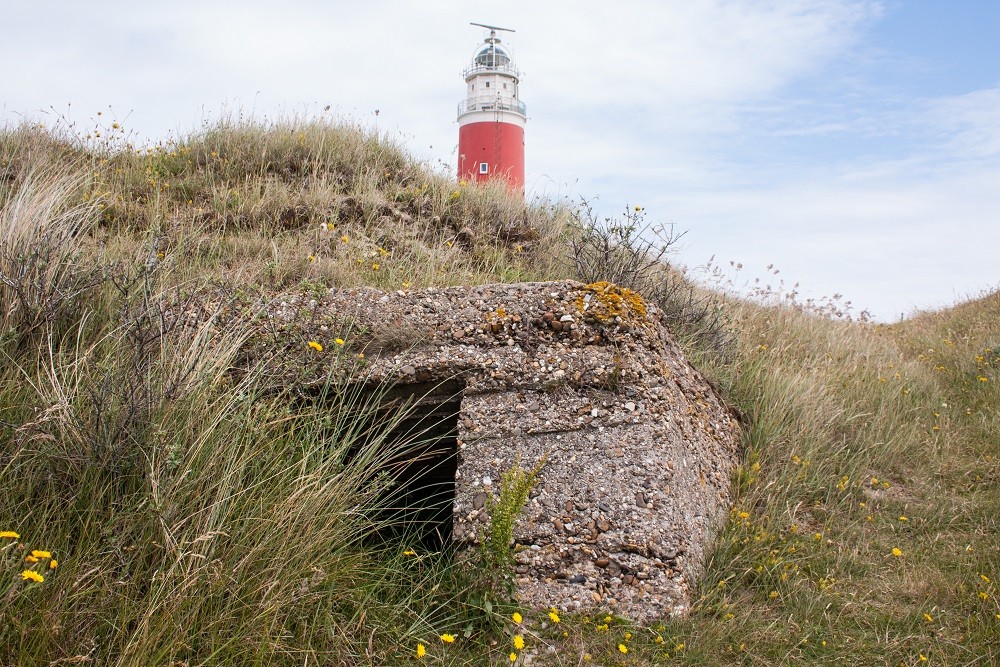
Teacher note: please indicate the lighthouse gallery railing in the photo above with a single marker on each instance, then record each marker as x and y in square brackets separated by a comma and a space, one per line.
[491, 104]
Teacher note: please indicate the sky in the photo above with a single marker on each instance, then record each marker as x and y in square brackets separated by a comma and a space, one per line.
[852, 145]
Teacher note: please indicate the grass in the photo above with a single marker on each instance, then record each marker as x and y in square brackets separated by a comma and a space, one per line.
[197, 518]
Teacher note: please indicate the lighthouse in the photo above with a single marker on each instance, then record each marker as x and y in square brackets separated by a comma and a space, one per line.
[491, 119]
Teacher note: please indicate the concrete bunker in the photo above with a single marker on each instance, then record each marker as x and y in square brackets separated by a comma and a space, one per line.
[639, 450]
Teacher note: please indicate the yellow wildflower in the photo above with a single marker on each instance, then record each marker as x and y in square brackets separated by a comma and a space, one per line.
[923, 658]
[10, 534]
[316, 346]
[519, 642]
[312, 258]
[338, 341]
[897, 552]
[903, 518]
[928, 618]
[628, 636]
[622, 648]
[984, 578]
[512, 657]
[983, 595]
[421, 650]
[38, 553]
[53, 564]
[409, 552]
[32, 576]
[345, 238]
[447, 639]
[517, 618]
[554, 615]
[30, 559]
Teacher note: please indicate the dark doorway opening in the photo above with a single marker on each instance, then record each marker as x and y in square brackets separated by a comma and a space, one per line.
[418, 426]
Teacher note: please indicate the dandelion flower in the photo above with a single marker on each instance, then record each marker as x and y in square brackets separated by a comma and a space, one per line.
[984, 578]
[10, 534]
[897, 552]
[628, 636]
[447, 639]
[316, 346]
[512, 657]
[928, 618]
[519, 642]
[345, 238]
[983, 595]
[53, 564]
[409, 552]
[338, 341]
[38, 553]
[554, 615]
[903, 518]
[923, 658]
[622, 648]
[30, 559]
[517, 618]
[31, 575]
[421, 650]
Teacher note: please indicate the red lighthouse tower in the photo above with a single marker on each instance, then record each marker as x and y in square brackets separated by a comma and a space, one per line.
[491, 119]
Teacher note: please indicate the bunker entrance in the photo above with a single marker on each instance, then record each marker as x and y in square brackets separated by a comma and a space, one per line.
[422, 438]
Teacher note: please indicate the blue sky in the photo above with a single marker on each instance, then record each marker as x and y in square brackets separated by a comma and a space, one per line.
[853, 144]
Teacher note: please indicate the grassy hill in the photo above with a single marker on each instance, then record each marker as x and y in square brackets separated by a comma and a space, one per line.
[183, 516]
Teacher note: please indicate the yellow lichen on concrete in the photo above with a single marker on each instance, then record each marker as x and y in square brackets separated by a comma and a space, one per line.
[606, 302]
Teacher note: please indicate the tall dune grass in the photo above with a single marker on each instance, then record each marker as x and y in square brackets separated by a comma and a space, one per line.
[196, 517]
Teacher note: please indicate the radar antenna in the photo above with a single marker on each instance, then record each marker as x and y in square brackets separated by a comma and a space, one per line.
[492, 39]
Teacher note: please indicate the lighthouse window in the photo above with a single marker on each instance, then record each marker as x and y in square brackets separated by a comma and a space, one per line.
[487, 84]
[484, 167]
[505, 86]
